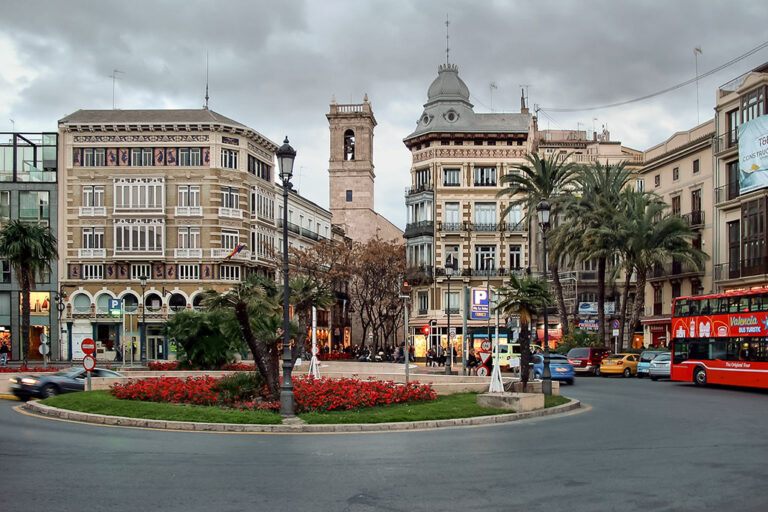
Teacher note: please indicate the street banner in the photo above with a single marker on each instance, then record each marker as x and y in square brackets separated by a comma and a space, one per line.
[753, 155]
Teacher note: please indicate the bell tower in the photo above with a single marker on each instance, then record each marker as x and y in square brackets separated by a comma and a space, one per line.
[351, 163]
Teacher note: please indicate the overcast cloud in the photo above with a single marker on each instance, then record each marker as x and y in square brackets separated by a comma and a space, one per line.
[274, 66]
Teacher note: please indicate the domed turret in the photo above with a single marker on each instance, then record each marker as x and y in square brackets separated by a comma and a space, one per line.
[448, 86]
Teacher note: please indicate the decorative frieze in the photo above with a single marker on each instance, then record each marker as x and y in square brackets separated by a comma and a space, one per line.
[467, 153]
[258, 151]
[142, 138]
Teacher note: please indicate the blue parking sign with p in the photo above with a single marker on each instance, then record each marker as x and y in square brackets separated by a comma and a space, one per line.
[115, 307]
[480, 304]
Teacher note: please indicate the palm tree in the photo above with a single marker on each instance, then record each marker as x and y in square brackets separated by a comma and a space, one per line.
[591, 222]
[29, 249]
[306, 293]
[549, 178]
[524, 296]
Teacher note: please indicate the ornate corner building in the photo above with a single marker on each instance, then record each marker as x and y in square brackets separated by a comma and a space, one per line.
[182, 200]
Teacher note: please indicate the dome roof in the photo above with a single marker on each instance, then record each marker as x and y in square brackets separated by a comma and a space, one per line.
[448, 86]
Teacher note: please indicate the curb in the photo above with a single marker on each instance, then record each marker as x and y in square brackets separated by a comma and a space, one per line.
[191, 426]
[8, 397]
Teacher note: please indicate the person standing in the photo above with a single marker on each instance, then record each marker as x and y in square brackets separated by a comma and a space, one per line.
[4, 354]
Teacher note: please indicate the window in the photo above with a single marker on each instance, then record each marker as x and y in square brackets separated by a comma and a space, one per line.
[753, 240]
[485, 176]
[189, 156]
[752, 105]
[139, 193]
[675, 173]
[189, 195]
[515, 257]
[734, 243]
[139, 235]
[259, 168]
[733, 179]
[676, 205]
[88, 157]
[229, 158]
[733, 127]
[639, 185]
[147, 157]
[423, 303]
[93, 238]
[99, 157]
[515, 216]
[452, 177]
[93, 271]
[139, 270]
[485, 216]
[93, 195]
[189, 272]
[349, 145]
[676, 289]
[696, 201]
[230, 198]
[485, 257]
[229, 239]
[422, 178]
[452, 216]
[453, 252]
[189, 238]
[5, 205]
[5, 272]
[229, 273]
[349, 196]
[696, 166]
[451, 301]
[657, 180]
[419, 254]
[34, 206]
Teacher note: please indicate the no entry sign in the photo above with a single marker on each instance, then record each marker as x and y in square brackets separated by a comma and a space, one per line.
[88, 346]
[89, 363]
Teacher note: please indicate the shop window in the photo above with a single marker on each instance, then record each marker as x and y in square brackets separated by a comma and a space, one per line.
[130, 303]
[153, 302]
[177, 302]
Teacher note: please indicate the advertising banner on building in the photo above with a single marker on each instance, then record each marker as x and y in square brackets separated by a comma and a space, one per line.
[753, 155]
[590, 308]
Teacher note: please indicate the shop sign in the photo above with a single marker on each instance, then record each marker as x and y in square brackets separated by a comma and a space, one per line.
[588, 325]
[590, 308]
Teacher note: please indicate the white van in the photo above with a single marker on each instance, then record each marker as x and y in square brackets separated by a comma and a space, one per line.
[512, 359]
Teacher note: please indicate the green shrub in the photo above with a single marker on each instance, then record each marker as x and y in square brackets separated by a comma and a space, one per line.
[240, 386]
[577, 338]
[202, 340]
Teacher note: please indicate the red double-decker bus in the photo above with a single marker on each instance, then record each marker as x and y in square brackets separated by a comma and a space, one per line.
[721, 338]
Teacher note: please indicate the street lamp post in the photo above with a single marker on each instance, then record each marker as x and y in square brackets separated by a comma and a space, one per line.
[450, 268]
[143, 344]
[542, 211]
[60, 298]
[285, 157]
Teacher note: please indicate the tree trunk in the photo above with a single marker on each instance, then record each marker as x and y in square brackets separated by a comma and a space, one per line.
[639, 306]
[263, 356]
[623, 312]
[26, 286]
[525, 353]
[560, 299]
[601, 300]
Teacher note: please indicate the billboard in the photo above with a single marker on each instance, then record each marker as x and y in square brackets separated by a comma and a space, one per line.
[590, 308]
[753, 155]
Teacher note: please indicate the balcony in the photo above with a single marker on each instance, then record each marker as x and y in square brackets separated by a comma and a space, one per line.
[450, 227]
[93, 211]
[291, 226]
[189, 253]
[519, 226]
[452, 311]
[695, 218]
[741, 268]
[674, 269]
[231, 213]
[723, 143]
[424, 187]
[308, 233]
[420, 275]
[221, 254]
[192, 211]
[421, 228]
[91, 253]
[727, 192]
[482, 227]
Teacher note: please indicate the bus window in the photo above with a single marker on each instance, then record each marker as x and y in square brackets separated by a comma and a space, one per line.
[733, 305]
[759, 302]
[718, 350]
[682, 308]
[680, 352]
[705, 306]
[744, 304]
[732, 351]
[722, 306]
[694, 308]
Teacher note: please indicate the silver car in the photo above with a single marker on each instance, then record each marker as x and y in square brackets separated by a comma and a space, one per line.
[659, 367]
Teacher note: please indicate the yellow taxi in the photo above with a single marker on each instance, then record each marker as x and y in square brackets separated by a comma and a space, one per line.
[624, 364]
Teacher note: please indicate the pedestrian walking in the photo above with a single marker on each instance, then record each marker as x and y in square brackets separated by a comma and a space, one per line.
[4, 355]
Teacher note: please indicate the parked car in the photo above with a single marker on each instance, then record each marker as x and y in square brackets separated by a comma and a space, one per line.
[659, 368]
[624, 364]
[559, 367]
[587, 359]
[52, 384]
[646, 356]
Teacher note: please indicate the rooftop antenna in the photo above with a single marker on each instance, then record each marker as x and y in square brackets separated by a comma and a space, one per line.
[13, 125]
[114, 77]
[206, 81]
[447, 48]
[696, 52]
[491, 87]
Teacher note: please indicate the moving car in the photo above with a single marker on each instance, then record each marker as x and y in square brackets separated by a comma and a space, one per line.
[511, 357]
[52, 384]
[587, 359]
[559, 367]
[646, 356]
[659, 368]
[624, 364]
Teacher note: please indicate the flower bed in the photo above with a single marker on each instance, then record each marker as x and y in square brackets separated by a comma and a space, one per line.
[311, 394]
[25, 369]
[336, 357]
[163, 366]
[170, 366]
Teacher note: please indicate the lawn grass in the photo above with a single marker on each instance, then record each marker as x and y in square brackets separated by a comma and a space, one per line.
[99, 402]
[462, 405]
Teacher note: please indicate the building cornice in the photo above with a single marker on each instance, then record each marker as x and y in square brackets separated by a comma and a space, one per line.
[678, 152]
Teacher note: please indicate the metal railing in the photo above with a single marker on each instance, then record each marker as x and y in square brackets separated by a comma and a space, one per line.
[424, 187]
[675, 268]
[424, 227]
[450, 226]
[741, 268]
[695, 218]
[727, 192]
[723, 143]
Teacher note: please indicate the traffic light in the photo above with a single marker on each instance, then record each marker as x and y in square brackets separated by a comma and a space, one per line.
[405, 288]
[425, 330]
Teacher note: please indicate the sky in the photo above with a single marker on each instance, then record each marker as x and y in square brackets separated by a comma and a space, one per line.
[275, 66]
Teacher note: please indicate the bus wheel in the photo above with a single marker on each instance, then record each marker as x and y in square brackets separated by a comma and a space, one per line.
[700, 376]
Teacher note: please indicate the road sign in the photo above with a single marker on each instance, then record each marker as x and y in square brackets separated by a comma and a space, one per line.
[88, 346]
[480, 309]
[485, 345]
[43, 349]
[43, 338]
[89, 363]
[615, 325]
[452, 334]
[115, 307]
[484, 357]
[482, 371]
[615, 332]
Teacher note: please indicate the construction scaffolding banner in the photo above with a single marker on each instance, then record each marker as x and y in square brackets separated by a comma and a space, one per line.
[753, 155]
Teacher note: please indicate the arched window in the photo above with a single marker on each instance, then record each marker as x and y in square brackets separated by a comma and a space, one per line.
[177, 302]
[349, 145]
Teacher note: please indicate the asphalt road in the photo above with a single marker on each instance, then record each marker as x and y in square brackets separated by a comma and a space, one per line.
[637, 445]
